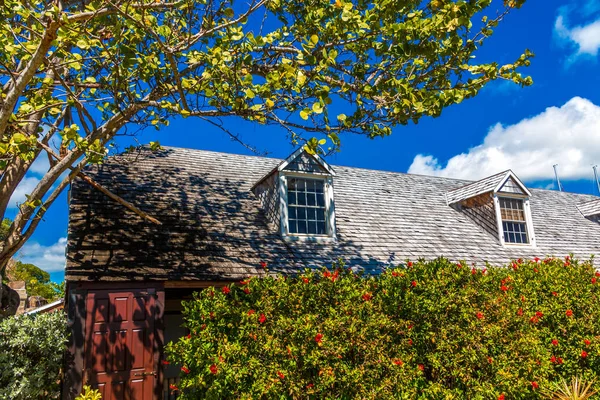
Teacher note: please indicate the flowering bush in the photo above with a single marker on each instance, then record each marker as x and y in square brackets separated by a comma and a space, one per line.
[426, 330]
[31, 355]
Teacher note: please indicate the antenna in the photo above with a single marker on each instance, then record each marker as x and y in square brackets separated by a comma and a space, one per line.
[596, 177]
[560, 188]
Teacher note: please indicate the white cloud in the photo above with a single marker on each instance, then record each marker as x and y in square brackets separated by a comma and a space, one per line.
[585, 37]
[49, 258]
[41, 165]
[25, 187]
[567, 135]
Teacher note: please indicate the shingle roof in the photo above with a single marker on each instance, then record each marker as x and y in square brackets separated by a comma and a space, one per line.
[485, 185]
[213, 227]
[590, 208]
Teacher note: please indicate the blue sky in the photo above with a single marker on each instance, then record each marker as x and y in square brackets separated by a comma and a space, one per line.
[555, 121]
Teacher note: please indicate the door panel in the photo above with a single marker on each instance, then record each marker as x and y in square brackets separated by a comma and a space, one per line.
[120, 344]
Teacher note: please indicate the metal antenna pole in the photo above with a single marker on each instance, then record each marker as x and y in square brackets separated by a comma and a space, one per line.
[560, 188]
[595, 167]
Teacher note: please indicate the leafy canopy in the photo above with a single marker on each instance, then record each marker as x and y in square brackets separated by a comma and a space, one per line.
[75, 74]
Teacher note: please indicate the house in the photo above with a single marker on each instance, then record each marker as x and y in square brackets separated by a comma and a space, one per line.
[224, 217]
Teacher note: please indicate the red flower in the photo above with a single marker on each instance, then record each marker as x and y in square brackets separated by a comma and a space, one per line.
[305, 280]
[247, 281]
[490, 360]
[539, 314]
[165, 362]
[503, 288]
[559, 360]
[569, 313]
[593, 281]
[535, 270]
[262, 318]
[553, 359]
[534, 385]
[398, 362]
[367, 296]
[554, 342]
[189, 336]
[584, 354]
[535, 319]
[310, 386]
[413, 283]
[421, 367]
[473, 271]
[515, 266]
[319, 337]
[410, 342]
[225, 290]
[250, 312]
[554, 294]
[263, 264]
[598, 274]
[587, 342]
[501, 397]
[280, 375]
[326, 274]
[213, 369]
[459, 265]
[484, 271]
[520, 312]
[173, 387]
[479, 315]
[395, 274]
[409, 264]
[185, 369]
[536, 259]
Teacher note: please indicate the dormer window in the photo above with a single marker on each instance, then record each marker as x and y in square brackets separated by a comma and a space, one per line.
[306, 206]
[514, 222]
[302, 186]
[500, 204]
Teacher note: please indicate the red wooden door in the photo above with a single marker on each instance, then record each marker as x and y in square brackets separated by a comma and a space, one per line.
[119, 353]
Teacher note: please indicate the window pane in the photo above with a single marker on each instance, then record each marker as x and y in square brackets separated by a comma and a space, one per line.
[321, 214]
[302, 227]
[291, 184]
[321, 200]
[310, 185]
[292, 213]
[311, 199]
[312, 227]
[292, 198]
[301, 213]
[321, 228]
[311, 214]
[319, 186]
[293, 226]
[302, 198]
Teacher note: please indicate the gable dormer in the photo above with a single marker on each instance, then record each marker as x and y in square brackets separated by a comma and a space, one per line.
[500, 204]
[297, 197]
[590, 210]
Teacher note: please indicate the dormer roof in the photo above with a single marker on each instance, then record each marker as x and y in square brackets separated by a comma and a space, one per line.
[590, 208]
[506, 182]
[300, 161]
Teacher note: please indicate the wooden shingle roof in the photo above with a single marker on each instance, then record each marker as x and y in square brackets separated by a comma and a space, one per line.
[213, 227]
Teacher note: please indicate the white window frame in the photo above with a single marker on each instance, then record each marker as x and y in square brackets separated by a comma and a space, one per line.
[528, 219]
[329, 207]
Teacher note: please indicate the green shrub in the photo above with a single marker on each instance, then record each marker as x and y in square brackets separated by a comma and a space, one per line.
[430, 330]
[31, 355]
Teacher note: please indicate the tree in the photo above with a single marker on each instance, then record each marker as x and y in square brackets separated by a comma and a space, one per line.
[74, 74]
[37, 281]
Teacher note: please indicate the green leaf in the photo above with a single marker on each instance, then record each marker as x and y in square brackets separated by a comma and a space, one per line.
[304, 114]
[317, 108]
[314, 39]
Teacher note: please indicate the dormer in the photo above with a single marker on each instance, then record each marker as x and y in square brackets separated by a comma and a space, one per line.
[500, 204]
[297, 197]
[590, 210]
